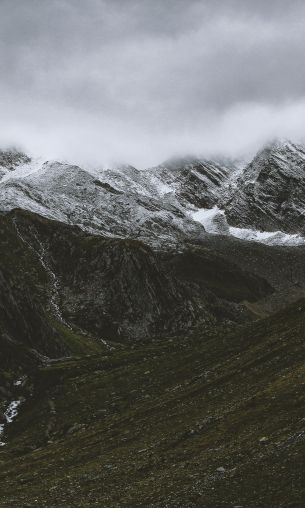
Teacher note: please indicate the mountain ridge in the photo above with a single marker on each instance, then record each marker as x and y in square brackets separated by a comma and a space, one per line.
[179, 200]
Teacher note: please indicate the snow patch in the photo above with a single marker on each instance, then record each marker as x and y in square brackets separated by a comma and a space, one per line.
[269, 238]
[214, 221]
[20, 381]
[162, 188]
[10, 414]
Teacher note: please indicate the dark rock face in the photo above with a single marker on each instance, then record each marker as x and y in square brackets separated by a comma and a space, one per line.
[221, 274]
[128, 293]
[24, 322]
[270, 194]
[111, 288]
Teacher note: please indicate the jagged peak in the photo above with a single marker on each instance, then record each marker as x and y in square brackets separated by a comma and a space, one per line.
[12, 157]
[280, 145]
[281, 153]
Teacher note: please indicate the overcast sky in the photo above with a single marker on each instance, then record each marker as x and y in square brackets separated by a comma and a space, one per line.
[140, 81]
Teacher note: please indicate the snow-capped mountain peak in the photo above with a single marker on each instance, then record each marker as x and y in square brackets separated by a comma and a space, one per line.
[182, 199]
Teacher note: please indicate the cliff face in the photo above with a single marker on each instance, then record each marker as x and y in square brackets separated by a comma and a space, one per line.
[270, 194]
[23, 295]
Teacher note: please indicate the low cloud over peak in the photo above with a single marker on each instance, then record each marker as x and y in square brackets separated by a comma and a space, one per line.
[135, 81]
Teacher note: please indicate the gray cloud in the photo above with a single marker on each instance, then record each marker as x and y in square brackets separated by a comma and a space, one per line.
[106, 80]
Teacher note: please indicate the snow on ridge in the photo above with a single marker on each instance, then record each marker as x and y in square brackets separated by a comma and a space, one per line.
[70, 193]
[23, 170]
[267, 237]
[208, 218]
[162, 188]
[214, 222]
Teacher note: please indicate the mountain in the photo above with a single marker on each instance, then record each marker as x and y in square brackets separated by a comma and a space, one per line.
[104, 203]
[167, 205]
[151, 332]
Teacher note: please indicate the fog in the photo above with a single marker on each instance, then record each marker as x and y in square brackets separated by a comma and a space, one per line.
[107, 81]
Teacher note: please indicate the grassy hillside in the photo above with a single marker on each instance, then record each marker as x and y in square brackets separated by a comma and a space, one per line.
[211, 420]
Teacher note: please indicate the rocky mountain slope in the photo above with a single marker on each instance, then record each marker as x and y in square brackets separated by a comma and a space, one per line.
[117, 204]
[55, 275]
[270, 193]
[169, 204]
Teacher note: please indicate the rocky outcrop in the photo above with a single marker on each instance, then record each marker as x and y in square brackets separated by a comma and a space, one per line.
[24, 320]
[270, 194]
[11, 159]
[196, 183]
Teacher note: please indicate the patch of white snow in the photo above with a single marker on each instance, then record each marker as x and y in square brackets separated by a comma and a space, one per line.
[214, 221]
[23, 170]
[269, 238]
[211, 219]
[10, 414]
